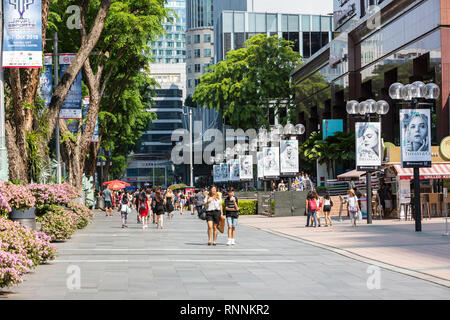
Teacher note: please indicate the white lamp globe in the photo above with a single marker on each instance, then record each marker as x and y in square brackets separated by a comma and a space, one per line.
[408, 92]
[395, 91]
[383, 107]
[432, 91]
[372, 106]
[300, 128]
[363, 107]
[352, 107]
[289, 129]
[422, 89]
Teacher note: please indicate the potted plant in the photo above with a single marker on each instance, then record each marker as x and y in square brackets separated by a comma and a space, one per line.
[22, 203]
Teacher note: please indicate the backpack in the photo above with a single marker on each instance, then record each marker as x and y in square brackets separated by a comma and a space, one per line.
[312, 204]
[125, 199]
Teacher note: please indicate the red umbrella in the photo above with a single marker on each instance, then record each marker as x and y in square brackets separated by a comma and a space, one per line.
[117, 181]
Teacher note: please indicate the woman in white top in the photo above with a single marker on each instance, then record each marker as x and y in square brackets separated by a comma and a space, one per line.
[213, 205]
[352, 206]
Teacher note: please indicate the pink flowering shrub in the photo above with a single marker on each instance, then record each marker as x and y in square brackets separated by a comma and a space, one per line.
[4, 205]
[12, 267]
[59, 224]
[45, 194]
[24, 241]
[18, 196]
[84, 215]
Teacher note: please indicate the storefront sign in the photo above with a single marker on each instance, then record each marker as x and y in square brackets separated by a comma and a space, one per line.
[22, 34]
[415, 137]
[71, 109]
[404, 191]
[368, 146]
[444, 148]
[289, 157]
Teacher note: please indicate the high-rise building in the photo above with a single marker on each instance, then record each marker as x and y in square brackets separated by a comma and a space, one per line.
[171, 47]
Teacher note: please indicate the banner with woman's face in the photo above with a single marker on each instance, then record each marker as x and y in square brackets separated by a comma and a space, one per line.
[368, 146]
[271, 161]
[216, 173]
[234, 169]
[246, 167]
[289, 157]
[260, 156]
[415, 137]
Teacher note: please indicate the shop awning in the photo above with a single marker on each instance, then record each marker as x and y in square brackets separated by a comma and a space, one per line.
[351, 175]
[437, 171]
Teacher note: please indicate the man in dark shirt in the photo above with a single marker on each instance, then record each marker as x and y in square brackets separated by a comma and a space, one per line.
[199, 199]
[232, 213]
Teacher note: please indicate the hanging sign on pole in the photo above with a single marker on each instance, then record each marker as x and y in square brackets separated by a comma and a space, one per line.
[71, 109]
[22, 34]
[46, 81]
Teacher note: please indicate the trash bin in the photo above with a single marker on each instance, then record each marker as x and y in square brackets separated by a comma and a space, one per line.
[100, 203]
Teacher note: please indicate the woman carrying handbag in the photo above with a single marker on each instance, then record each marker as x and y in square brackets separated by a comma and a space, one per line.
[353, 206]
[214, 213]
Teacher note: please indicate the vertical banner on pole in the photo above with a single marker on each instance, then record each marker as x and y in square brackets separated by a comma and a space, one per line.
[246, 167]
[22, 34]
[71, 108]
[289, 157]
[216, 173]
[415, 137]
[225, 172]
[234, 169]
[260, 159]
[271, 162]
[46, 81]
[368, 146]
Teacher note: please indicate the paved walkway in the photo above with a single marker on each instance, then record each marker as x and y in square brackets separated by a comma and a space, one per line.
[176, 263]
[389, 241]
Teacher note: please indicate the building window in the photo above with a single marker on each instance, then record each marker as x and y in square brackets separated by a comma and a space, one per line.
[170, 44]
[196, 38]
[188, 39]
[169, 36]
[189, 55]
[306, 45]
[197, 67]
[206, 66]
[189, 84]
[196, 53]
[179, 44]
[168, 60]
[207, 37]
[197, 82]
[207, 53]
[189, 69]
[169, 52]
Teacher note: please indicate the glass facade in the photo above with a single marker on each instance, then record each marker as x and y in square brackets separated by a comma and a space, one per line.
[309, 33]
[200, 13]
[175, 37]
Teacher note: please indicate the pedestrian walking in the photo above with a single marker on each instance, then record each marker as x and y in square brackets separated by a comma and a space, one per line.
[182, 202]
[318, 207]
[311, 207]
[199, 199]
[125, 209]
[232, 213]
[169, 200]
[144, 208]
[353, 206]
[214, 211]
[135, 205]
[158, 209]
[327, 205]
[108, 201]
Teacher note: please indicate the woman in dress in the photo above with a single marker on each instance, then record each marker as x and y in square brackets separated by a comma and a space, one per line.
[353, 206]
[144, 203]
[214, 210]
[182, 202]
[159, 209]
[169, 199]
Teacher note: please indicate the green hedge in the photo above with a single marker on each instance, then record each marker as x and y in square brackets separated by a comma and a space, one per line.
[246, 207]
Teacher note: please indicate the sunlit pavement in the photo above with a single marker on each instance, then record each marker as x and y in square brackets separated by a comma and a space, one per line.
[175, 263]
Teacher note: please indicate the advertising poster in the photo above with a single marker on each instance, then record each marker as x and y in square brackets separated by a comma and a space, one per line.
[22, 34]
[368, 146]
[289, 157]
[216, 173]
[271, 162]
[234, 169]
[246, 167]
[46, 81]
[415, 138]
[331, 126]
[405, 191]
[71, 108]
[260, 158]
[224, 172]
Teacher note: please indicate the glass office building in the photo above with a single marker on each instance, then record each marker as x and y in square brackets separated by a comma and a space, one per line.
[171, 47]
[308, 32]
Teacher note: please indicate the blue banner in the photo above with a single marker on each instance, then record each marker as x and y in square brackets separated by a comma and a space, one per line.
[46, 81]
[71, 109]
[22, 34]
[331, 126]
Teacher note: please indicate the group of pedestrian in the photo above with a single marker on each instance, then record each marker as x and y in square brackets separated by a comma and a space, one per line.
[316, 208]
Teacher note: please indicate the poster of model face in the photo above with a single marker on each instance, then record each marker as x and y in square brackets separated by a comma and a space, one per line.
[225, 172]
[260, 157]
[246, 167]
[415, 137]
[289, 157]
[234, 170]
[271, 161]
[217, 173]
[368, 145]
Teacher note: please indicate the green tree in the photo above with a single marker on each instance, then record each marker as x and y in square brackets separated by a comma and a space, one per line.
[250, 81]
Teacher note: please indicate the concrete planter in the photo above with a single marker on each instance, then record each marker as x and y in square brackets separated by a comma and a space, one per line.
[26, 217]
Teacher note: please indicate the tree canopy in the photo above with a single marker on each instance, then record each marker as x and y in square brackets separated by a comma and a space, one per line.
[250, 81]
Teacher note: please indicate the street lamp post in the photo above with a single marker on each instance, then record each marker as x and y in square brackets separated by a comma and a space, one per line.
[367, 109]
[411, 94]
[191, 155]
